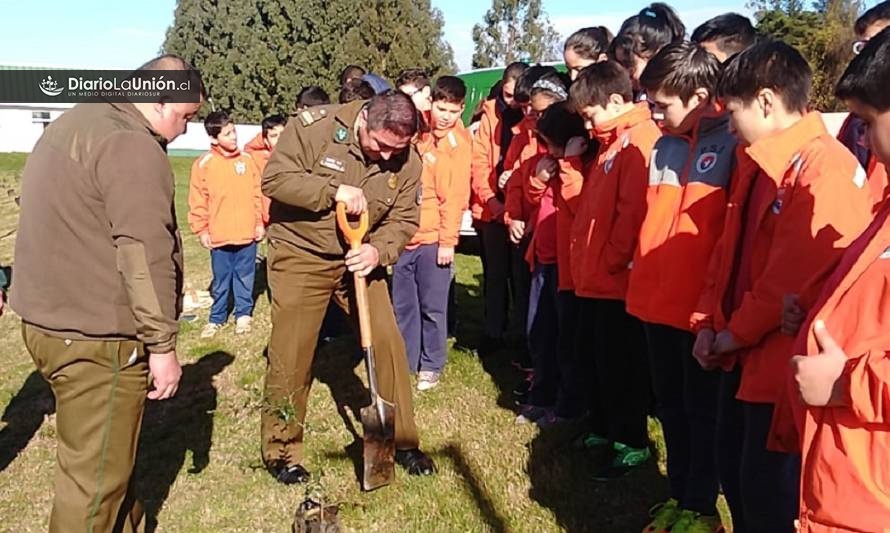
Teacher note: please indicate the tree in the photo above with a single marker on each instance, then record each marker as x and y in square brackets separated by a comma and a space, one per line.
[823, 34]
[256, 55]
[515, 30]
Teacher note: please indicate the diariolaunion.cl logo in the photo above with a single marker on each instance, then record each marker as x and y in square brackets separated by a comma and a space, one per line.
[50, 87]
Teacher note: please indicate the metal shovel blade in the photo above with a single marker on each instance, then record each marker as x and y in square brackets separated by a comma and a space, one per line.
[379, 444]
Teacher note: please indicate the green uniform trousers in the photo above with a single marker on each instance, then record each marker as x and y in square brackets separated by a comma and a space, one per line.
[302, 285]
[100, 389]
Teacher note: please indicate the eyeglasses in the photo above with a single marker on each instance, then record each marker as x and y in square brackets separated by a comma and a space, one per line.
[859, 45]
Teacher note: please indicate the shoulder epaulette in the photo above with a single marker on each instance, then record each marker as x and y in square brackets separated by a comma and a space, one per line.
[312, 115]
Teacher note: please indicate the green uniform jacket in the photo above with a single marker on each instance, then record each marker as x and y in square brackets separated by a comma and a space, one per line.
[319, 151]
[98, 252]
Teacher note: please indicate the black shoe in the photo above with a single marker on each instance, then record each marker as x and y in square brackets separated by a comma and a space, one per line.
[488, 346]
[288, 474]
[416, 462]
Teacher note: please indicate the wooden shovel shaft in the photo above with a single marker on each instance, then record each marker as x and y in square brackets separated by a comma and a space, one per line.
[354, 236]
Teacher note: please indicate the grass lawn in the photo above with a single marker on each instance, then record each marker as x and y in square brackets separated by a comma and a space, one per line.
[199, 467]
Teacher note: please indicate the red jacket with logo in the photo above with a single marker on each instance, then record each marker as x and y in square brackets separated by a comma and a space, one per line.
[799, 202]
[612, 206]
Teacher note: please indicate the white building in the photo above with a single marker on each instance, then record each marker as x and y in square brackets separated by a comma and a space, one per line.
[22, 124]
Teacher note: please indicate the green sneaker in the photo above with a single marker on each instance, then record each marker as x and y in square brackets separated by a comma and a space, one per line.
[692, 522]
[664, 516]
[626, 459]
[590, 441]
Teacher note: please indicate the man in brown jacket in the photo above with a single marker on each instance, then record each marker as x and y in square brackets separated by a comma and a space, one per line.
[360, 154]
[98, 278]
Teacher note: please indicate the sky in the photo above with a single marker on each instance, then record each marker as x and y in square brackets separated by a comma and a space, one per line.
[124, 34]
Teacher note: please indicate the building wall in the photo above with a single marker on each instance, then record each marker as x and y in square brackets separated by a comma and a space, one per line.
[19, 132]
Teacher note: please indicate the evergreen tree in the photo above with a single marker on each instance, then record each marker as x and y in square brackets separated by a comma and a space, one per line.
[256, 55]
[515, 30]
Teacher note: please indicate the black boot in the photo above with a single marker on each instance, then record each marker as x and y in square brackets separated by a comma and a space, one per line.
[415, 462]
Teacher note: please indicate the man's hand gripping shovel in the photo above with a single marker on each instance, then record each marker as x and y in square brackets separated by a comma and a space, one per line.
[378, 419]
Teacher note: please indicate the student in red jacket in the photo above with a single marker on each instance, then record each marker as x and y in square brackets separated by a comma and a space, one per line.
[490, 144]
[799, 202]
[603, 238]
[524, 207]
[689, 176]
[842, 377]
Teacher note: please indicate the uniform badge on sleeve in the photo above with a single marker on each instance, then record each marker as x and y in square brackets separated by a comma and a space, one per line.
[341, 135]
[419, 198]
[240, 168]
[393, 181]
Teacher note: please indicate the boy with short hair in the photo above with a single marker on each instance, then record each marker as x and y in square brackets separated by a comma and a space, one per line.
[310, 97]
[725, 35]
[225, 211]
[800, 199]
[487, 204]
[355, 89]
[415, 83]
[603, 238]
[423, 273]
[688, 179]
[841, 378]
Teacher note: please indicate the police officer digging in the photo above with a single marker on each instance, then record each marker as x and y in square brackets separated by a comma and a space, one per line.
[359, 154]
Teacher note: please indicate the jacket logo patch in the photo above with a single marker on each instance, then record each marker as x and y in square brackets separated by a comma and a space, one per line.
[333, 164]
[610, 161]
[430, 158]
[885, 255]
[706, 162]
[341, 135]
[240, 168]
[393, 181]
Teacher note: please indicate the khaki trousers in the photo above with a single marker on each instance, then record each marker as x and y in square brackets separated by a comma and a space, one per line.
[100, 389]
[302, 285]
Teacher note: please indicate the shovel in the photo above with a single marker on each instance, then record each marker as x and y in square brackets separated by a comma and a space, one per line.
[378, 419]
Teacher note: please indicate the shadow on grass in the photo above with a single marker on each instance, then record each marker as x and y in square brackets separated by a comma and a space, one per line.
[486, 507]
[470, 305]
[23, 416]
[176, 426]
[562, 481]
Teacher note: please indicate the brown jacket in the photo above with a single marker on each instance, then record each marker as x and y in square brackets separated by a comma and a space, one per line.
[98, 252]
[319, 151]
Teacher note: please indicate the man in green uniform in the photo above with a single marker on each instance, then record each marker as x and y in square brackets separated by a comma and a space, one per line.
[98, 278]
[360, 154]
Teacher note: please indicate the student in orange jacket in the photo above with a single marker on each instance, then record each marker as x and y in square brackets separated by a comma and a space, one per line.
[563, 134]
[225, 212]
[796, 206]
[536, 89]
[842, 376]
[688, 178]
[423, 273]
[540, 324]
[487, 204]
[260, 149]
[604, 235]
